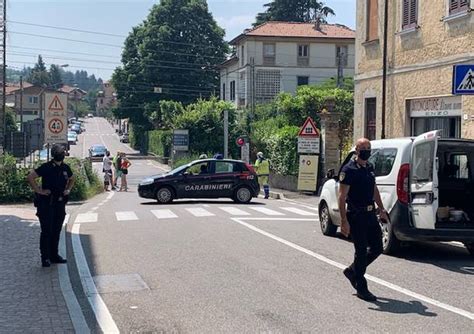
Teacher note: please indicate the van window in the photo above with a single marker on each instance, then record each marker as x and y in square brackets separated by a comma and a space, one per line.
[457, 166]
[423, 155]
[383, 161]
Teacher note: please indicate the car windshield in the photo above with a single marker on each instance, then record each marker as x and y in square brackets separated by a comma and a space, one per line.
[98, 148]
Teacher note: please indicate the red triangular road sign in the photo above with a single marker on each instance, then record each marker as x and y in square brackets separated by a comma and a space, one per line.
[309, 129]
[56, 104]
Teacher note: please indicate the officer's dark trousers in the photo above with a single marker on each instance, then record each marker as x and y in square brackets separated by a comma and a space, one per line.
[51, 216]
[366, 233]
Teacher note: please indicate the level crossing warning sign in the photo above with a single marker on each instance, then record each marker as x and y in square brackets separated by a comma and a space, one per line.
[56, 118]
[308, 138]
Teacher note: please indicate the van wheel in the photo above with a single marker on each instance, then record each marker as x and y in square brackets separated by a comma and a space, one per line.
[242, 195]
[470, 248]
[390, 243]
[327, 227]
[164, 195]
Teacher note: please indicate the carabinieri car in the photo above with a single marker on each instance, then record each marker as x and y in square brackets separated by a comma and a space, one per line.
[209, 178]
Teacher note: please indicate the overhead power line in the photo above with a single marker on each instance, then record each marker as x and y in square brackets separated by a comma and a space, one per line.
[66, 39]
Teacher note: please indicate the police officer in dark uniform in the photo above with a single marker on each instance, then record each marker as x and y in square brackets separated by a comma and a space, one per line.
[50, 200]
[359, 190]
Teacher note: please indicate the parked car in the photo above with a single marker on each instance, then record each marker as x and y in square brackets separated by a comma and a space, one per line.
[426, 184]
[210, 178]
[124, 138]
[97, 151]
[90, 115]
[72, 138]
[76, 128]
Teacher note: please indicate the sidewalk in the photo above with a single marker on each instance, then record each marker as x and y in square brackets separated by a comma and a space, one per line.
[31, 299]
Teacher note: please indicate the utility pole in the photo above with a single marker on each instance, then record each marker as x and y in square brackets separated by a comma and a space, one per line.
[3, 20]
[21, 103]
[384, 71]
[226, 134]
[340, 68]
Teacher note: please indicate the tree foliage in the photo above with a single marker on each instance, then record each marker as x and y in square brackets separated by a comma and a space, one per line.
[39, 76]
[176, 49]
[294, 11]
[56, 80]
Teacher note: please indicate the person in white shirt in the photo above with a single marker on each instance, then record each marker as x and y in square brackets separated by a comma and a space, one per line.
[107, 169]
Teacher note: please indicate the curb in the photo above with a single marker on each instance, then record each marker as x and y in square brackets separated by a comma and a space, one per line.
[274, 194]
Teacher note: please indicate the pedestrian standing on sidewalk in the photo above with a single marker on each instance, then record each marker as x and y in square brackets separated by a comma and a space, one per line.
[359, 190]
[107, 170]
[262, 167]
[117, 162]
[57, 181]
[124, 165]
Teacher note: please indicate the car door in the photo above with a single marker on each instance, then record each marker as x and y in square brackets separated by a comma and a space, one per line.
[193, 180]
[424, 180]
[225, 178]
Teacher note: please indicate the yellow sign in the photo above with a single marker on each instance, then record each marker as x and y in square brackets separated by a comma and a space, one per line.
[308, 172]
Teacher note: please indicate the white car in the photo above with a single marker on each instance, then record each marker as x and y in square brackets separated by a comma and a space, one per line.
[427, 186]
[72, 137]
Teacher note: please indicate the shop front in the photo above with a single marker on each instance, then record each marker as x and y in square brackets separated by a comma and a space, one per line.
[436, 113]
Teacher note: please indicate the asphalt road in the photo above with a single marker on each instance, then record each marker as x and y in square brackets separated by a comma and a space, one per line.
[218, 267]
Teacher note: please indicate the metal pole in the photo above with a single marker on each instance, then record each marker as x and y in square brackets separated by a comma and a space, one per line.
[340, 69]
[21, 103]
[4, 73]
[226, 133]
[384, 75]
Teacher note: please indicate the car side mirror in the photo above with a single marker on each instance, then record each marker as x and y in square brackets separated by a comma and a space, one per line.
[331, 173]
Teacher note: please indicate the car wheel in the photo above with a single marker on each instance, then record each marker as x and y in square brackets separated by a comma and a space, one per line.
[390, 243]
[327, 227]
[164, 195]
[470, 248]
[243, 195]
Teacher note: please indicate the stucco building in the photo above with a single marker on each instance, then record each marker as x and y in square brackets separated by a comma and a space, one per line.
[426, 38]
[280, 56]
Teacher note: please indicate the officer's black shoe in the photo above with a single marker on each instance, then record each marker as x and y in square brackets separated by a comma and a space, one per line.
[367, 296]
[58, 259]
[45, 263]
[349, 273]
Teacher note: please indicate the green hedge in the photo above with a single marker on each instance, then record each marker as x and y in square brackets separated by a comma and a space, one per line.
[14, 188]
[159, 142]
[281, 149]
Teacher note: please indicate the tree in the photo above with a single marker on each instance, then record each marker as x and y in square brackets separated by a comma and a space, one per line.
[56, 80]
[294, 11]
[177, 49]
[10, 123]
[39, 75]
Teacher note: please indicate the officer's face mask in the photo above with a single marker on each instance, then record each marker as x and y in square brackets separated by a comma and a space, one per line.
[59, 157]
[365, 154]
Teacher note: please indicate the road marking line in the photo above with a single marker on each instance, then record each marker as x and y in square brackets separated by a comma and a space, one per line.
[164, 214]
[200, 212]
[307, 206]
[75, 311]
[234, 211]
[266, 211]
[299, 211]
[95, 208]
[102, 314]
[110, 195]
[341, 266]
[126, 215]
[89, 217]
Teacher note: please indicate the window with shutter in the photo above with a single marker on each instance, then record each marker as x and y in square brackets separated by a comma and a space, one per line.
[372, 20]
[410, 14]
[457, 6]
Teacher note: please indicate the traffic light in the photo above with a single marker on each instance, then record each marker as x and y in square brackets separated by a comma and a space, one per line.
[241, 141]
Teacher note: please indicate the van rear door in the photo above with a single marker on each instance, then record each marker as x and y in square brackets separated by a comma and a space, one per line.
[424, 180]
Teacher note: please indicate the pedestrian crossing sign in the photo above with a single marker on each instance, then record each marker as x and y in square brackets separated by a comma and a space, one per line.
[463, 79]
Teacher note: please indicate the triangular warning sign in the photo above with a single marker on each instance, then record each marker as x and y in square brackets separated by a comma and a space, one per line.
[468, 81]
[309, 129]
[56, 104]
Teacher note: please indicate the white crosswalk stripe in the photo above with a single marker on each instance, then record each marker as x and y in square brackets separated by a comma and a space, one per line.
[266, 211]
[164, 214]
[89, 217]
[200, 212]
[126, 215]
[234, 211]
[299, 211]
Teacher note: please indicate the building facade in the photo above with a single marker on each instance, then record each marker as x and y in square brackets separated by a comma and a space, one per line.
[425, 40]
[280, 56]
[106, 98]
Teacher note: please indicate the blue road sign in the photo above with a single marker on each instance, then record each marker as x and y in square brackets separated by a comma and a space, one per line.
[463, 79]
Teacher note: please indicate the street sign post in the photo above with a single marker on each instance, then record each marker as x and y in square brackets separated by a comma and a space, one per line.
[181, 140]
[308, 172]
[309, 138]
[55, 118]
[308, 143]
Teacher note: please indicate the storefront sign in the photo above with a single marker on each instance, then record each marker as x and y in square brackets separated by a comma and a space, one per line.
[447, 106]
[308, 172]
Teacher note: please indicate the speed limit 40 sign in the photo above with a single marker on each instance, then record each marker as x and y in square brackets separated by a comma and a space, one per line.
[55, 118]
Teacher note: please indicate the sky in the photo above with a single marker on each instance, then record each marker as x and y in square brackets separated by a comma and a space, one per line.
[112, 17]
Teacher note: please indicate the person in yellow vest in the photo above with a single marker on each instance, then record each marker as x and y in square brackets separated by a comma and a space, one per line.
[262, 167]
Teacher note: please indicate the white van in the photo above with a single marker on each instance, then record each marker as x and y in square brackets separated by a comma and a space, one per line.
[426, 184]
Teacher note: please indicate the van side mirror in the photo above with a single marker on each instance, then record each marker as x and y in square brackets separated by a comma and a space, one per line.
[331, 173]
